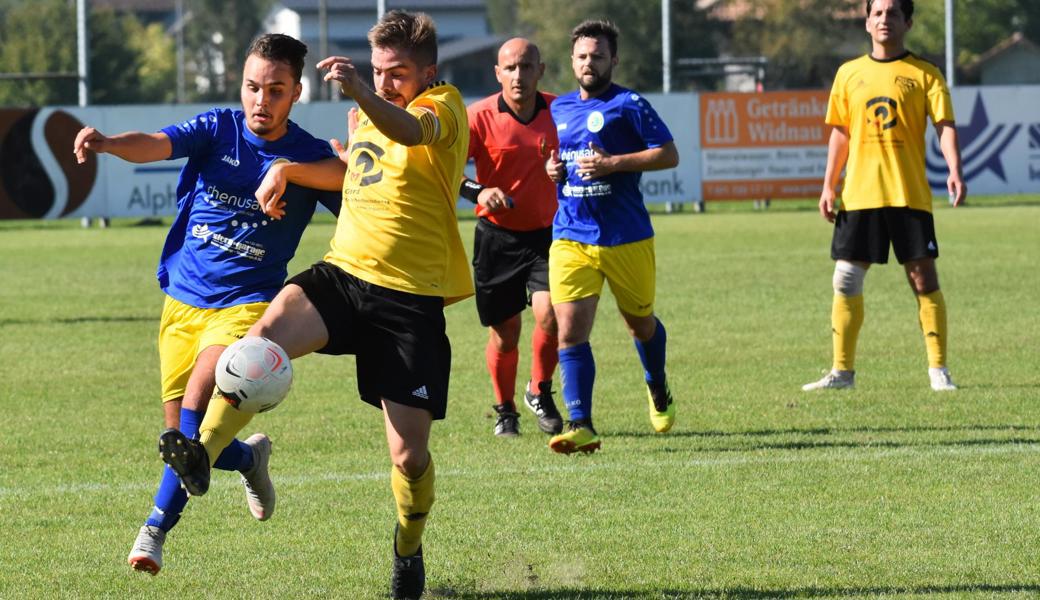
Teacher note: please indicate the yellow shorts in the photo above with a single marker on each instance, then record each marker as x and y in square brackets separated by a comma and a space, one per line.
[185, 331]
[577, 271]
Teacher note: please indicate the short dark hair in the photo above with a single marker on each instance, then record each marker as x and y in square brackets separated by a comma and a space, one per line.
[594, 28]
[905, 6]
[412, 32]
[282, 48]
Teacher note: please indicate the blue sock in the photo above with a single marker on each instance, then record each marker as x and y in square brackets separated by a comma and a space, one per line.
[190, 421]
[169, 502]
[171, 499]
[578, 371]
[236, 457]
[652, 354]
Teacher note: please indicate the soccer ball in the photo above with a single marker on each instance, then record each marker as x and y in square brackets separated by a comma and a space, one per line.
[254, 374]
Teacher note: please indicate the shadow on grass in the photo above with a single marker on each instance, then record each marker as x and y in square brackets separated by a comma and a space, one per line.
[816, 437]
[738, 593]
[77, 320]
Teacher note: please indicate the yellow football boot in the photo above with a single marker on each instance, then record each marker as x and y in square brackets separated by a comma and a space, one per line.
[662, 407]
[579, 437]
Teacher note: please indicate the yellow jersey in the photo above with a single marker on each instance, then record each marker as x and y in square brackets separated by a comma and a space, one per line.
[884, 104]
[397, 226]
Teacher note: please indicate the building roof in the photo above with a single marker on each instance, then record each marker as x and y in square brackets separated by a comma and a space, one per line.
[1016, 41]
[359, 5]
[137, 5]
[465, 46]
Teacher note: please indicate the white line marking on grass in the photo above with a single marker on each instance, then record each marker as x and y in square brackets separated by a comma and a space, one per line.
[829, 454]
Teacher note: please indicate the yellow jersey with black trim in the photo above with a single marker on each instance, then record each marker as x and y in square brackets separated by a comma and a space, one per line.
[885, 104]
[397, 226]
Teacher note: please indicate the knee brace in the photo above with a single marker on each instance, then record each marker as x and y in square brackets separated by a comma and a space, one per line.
[848, 278]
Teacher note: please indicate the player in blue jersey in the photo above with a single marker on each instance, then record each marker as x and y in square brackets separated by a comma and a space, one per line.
[608, 136]
[224, 260]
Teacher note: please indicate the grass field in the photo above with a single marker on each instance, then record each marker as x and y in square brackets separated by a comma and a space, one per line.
[760, 491]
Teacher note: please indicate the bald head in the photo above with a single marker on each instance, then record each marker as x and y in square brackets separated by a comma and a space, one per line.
[518, 70]
[516, 48]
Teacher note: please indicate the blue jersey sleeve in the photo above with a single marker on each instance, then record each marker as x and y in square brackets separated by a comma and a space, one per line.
[194, 137]
[645, 121]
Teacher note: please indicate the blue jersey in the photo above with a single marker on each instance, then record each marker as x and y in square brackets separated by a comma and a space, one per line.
[607, 211]
[222, 250]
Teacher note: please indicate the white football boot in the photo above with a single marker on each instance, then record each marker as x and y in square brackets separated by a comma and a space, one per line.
[257, 480]
[940, 378]
[833, 380]
[146, 555]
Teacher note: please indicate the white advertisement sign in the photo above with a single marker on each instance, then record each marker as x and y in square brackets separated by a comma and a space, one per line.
[731, 146]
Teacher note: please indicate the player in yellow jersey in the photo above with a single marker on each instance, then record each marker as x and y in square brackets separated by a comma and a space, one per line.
[396, 260]
[878, 111]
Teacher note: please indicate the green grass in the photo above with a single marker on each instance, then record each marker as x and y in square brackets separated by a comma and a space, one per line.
[760, 491]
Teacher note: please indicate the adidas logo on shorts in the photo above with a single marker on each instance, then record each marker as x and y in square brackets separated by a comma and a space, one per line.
[420, 392]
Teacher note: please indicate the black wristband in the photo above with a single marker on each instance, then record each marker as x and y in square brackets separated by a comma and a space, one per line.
[470, 190]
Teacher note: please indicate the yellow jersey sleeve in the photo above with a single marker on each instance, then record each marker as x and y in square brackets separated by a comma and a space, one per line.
[397, 227]
[940, 105]
[838, 103]
[888, 104]
[446, 127]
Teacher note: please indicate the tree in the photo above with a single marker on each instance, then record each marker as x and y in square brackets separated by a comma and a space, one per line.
[128, 63]
[798, 38]
[549, 24]
[217, 38]
[38, 38]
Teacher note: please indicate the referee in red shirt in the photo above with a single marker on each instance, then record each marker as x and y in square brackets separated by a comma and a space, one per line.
[511, 136]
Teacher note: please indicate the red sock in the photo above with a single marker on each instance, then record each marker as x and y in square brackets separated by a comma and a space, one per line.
[502, 367]
[544, 357]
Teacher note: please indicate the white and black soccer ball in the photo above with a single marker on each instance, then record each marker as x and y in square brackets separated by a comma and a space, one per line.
[254, 374]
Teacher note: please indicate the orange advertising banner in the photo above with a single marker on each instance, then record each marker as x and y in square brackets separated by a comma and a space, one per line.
[763, 145]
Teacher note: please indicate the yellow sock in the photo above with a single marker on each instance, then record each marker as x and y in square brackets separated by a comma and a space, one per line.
[414, 499]
[931, 310]
[846, 319]
[220, 425]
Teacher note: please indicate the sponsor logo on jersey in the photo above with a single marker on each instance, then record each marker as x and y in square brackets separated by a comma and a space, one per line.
[587, 191]
[594, 122]
[573, 155]
[365, 168]
[249, 250]
[884, 113]
[200, 231]
[231, 161]
[236, 203]
[906, 84]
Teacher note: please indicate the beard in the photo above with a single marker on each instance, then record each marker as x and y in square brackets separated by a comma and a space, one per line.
[594, 83]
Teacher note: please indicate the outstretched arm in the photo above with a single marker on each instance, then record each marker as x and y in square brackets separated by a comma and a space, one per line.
[132, 146]
[951, 150]
[393, 121]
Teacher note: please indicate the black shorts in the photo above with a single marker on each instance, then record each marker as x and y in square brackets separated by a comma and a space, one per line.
[403, 353]
[508, 266]
[864, 235]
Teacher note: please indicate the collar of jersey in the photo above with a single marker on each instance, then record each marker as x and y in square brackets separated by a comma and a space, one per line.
[888, 60]
[539, 104]
[256, 140]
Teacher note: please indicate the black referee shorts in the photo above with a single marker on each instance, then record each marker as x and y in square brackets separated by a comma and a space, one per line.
[508, 266]
[403, 353]
[865, 235]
